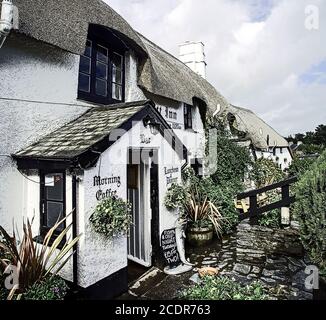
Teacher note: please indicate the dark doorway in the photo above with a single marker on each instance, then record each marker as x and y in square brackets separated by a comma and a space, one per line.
[155, 225]
[143, 194]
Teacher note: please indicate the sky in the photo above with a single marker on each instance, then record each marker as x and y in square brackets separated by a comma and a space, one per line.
[268, 55]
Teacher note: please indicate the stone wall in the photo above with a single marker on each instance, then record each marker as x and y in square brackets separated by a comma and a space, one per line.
[276, 257]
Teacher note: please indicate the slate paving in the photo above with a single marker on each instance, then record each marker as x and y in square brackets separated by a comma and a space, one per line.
[274, 257]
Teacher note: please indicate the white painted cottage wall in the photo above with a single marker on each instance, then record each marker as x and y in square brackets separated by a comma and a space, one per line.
[278, 157]
[41, 83]
[38, 94]
[193, 139]
[99, 257]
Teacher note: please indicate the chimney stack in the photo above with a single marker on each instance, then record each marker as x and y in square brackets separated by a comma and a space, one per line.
[192, 54]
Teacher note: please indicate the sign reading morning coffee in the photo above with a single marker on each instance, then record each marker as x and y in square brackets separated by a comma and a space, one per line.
[169, 248]
[99, 181]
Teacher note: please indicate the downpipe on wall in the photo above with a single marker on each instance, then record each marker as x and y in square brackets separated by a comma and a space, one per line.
[6, 20]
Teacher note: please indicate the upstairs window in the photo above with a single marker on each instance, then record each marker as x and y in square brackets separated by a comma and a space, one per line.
[188, 116]
[101, 70]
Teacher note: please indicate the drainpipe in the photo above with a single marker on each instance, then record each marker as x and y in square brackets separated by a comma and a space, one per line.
[6, 20]
[74, 228]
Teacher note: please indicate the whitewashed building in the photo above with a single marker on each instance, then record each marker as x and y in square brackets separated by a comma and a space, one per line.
[81, 96]
[263, 140]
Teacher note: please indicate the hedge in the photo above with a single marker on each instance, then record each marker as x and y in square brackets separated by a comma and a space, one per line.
[310, 210]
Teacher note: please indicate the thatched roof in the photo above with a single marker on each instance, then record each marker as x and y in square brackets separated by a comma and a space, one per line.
[257, 130]
[64, 23]
[167, 76]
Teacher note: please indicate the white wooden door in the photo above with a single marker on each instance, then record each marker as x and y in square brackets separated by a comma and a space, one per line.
[139, 240]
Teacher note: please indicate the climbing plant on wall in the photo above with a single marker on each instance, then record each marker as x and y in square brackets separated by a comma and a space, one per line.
[231, 163]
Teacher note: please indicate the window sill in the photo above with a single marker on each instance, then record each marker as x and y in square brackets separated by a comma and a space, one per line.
[191, 130]
[96, 100]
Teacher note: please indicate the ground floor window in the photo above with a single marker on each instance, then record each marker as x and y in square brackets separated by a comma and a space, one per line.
[197, 165]
[53, 202]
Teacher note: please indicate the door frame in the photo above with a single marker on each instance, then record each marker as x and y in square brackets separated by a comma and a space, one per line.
[153, 213]
[155, 210]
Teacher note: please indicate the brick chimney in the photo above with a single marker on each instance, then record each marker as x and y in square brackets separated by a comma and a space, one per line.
[192, 54]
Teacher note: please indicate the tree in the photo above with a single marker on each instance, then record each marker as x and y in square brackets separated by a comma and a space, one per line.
[320, 135]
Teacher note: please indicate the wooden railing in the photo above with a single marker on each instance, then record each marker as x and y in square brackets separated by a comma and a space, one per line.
[255, 211]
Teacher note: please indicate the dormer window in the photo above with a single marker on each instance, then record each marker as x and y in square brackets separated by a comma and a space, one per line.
[188, 116]
[101, 69]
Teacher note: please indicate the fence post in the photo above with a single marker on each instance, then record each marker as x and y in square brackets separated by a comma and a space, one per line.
[285, 211]
[253, 210]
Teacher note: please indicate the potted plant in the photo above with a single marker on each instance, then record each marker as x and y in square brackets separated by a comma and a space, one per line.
[112, 217]
[201, 217]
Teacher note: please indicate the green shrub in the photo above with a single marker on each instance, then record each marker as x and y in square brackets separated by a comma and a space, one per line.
[223, 288]
[232, 161]
[35, 262]
[271, 219]
[52, 288]
[265, 172]
[194, 202]
[299, 166]
[232, 164]
[310, 209]
[112, 217]
[3, 291]
[223, 195]
[220, 195]
[175, 197]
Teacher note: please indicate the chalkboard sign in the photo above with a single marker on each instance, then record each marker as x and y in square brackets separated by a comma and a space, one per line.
[169, 248]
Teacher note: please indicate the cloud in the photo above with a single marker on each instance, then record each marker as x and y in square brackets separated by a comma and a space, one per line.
[259, 53]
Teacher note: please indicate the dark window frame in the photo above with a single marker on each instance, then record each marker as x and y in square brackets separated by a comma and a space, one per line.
[43, 201]
[103, 37]
[197, 165]
[187, 112]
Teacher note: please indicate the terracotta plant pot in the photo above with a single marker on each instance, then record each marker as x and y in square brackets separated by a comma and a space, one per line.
[199, 236]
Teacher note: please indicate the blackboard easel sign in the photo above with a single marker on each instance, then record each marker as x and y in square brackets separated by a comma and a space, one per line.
[169, 248]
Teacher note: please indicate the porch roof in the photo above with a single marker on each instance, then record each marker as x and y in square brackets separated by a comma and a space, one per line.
[80, 142]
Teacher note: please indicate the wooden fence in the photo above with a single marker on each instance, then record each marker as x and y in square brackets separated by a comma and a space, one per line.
[255, 210]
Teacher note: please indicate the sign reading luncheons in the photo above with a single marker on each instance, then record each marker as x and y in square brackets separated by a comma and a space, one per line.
[169, 248]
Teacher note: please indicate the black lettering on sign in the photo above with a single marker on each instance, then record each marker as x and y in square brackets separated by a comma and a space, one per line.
[169, 248]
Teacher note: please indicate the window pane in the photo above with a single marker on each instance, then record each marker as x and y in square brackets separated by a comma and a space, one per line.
[88, 48]
[54, 214]
[101, 70]
[84, 82]
[102, 54]
[85, 65]
[116, 91]
[116, 75]
[101, 87]
[54, 186]
[117, 61]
